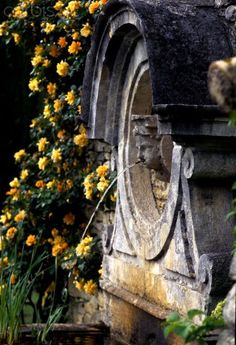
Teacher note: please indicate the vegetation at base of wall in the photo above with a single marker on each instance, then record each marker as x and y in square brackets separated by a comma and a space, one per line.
[189, 329]
[14, 294]
[54, 182]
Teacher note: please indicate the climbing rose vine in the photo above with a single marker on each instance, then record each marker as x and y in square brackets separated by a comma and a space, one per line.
[45, 202]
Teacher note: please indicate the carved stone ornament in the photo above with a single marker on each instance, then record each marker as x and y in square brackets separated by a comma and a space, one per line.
[145, 93]
[154, 151]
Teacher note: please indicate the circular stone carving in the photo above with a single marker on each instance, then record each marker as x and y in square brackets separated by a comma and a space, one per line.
[144, 214]
[121, 87]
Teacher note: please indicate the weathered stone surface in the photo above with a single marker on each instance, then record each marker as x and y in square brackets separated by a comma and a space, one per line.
[220, 3]
[178, 54]
[151, 57]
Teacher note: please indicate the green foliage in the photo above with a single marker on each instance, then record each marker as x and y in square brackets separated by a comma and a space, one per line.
[54, 316]
[46, 202]
[14, 293]
[189, 329]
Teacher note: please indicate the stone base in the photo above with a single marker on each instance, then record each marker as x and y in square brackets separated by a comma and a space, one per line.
[132, 326]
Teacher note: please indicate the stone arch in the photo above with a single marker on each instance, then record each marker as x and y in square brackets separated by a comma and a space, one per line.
[121, 85]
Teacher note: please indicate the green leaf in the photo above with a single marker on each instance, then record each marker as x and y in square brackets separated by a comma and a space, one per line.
[169, 329]
[194, 312]
[173, 317]
[183, 330]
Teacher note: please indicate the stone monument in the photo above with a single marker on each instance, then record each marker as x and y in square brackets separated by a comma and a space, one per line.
[145, 94]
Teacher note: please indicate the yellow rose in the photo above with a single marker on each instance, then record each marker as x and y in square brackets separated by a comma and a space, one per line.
[31, 240]
[34, 84]
[20, 216]
[75, 47]
[93, 7]
[86, 30]
[62, 68]
[11, 233]
[56, 155]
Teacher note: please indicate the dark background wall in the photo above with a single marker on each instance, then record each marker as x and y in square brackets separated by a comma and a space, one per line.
[16, 108]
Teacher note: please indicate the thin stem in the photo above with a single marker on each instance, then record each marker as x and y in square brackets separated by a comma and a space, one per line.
[103, 196]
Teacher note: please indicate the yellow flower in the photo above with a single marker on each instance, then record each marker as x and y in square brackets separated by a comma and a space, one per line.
[34, 123]
[54, 232]
[79, 109]
[6, 261]
[42, 163]
[11, 233]
[102, 170]
[16, 37]
[89, 193]
[100, 271]
[70, 97]
[3, 219]
[39, 184]
[89, 186]
[103, 2]
[86, 30]
[51, 89]
[69, 219]
[61, 134]
[58, 5]
[46, 63]
[42, 144]
[18, 13]
[82, 129]
[59, 246]
[38, 50]
[75, 47]
[37, 60]
[46, 111]
[62, 42]
[56, 155]
[34, 84]
[63, 68]
[24, 174]
[51, 184]
[15, 183]
[14, 192]
[48, 28]
[19, 155]
[93, 7]
[73, 6]
[53, 120]
[83, 248]
[54, 51]
[3, 28]
[81, 140]
[58, 105]
[102, 184]
[13, 279]
[31, 240]
[79, 284]
[90, 287]
[75, 35]
[87, 240]
[20, 216]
